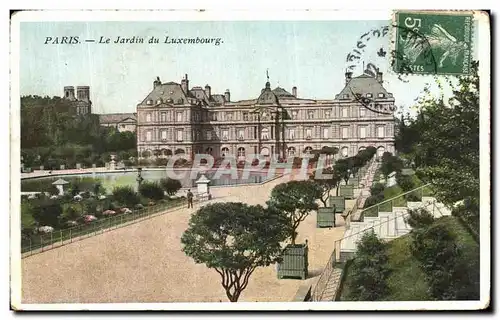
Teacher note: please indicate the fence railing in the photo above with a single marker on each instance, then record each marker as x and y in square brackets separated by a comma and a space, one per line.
[396, 201]
[45, 241]
[324, 279]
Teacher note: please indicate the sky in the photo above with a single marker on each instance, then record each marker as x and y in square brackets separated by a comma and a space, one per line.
[310, 55]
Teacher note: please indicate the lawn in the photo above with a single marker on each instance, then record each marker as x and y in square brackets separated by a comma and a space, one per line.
[407, 281]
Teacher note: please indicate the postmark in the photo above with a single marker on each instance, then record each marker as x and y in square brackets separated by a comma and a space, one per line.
[432, 42]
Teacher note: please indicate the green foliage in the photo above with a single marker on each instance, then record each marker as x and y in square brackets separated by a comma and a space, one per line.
[377, 188]
[405, 182]
[151, 190]
[446, 148]
[469, 213]
[443, 262]
[125, 195]
[235, 239]
[369, 270]
[333, 181]
[171, 186]
[390, 164]
[47, 212]
[53, 135]
[420, 218]
[295, 199]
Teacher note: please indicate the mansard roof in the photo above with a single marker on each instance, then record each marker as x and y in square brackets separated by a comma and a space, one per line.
[362, 85]
[280, 92]
[169, 91]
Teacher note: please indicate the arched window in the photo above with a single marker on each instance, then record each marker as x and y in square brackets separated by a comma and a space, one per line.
[208, 150]
[265, 134]
[291, 151]
[345, 152]
[308, 150]
[225, 151]
[180, 151]
[241, 152]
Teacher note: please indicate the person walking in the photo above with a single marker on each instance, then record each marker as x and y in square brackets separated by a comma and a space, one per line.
[190, 198]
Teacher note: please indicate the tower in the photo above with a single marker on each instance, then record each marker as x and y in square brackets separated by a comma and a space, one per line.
[69, 93]
[83, 93]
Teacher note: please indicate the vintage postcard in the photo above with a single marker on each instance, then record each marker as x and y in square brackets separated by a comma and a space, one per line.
[232, 160]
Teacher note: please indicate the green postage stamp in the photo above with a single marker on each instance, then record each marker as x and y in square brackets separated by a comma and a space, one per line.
[432, 42]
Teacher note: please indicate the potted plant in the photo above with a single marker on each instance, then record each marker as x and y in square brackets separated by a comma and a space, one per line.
[325, 217]
[295, 200]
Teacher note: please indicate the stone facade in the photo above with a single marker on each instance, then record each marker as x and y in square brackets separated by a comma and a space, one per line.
[177, 119]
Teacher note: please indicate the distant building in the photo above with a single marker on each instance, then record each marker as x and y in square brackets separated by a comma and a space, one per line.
[120, 121]
[81, 104]
[176, 119]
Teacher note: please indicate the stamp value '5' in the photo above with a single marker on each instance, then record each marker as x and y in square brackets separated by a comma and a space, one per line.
[432, 43]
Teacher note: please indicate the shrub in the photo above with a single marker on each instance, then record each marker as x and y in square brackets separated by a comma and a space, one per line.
[377, 188]
[171, 186]
[125, 195]
[412, 197]
[419, 218]
[405, 182]
[151, 190]
[370, 270]
[161, 161]
[47, 212]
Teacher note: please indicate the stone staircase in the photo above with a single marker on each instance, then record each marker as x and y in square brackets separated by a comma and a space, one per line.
[387, 225]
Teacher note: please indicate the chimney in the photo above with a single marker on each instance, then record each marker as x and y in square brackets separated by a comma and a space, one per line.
[185, 84]
[379, 77]
[208, 91]
[348, 76]
[157, 82]
[227, 95]
[294, 92]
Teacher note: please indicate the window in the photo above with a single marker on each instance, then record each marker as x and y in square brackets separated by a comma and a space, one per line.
[148, 117]
[225, 134]
[213, 116]
[346, 96]
[327, 114]
[149, 102]
[325, 133]
[229, 116]
[241, 152]
[345, 132]
[164, 134]
[310, 114]
[362, 111]
[225, 151]
[158, 101]
[369, 95]
[345, 112]
[180, 133]
[196, 116]
[291, 151]
[209, 135]
[381, 95]
[295, 115]
[148, 135]
[308, 133]
[179, 116]
[163, 117]
[265, 134]
[362, 132]
[291, 133]
[241, 134]
[245, 116]
[380, 132]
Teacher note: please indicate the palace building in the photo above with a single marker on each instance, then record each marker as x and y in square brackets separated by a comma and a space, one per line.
[178, 119]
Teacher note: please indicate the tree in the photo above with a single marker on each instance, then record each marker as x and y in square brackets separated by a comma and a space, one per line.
[171, 186]
[447, 148]
[295, 199]
[327, 184]
[343, 169]
[370, 270]
[390, 164]
[126, 195]
[151, 190]
[235, 239]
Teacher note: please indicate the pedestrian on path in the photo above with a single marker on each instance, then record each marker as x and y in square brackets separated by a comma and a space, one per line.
[190, 198]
